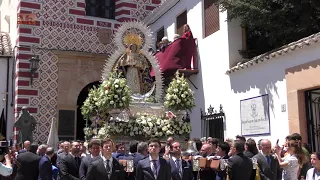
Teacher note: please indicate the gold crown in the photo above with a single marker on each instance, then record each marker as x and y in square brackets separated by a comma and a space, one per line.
[133, 38]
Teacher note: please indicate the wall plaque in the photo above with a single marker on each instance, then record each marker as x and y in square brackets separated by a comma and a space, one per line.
[254, 114]
[66, 124]
[105, 36]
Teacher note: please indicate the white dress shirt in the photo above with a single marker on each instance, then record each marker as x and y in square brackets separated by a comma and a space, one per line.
[152, 166]
[312, 175]
[105, 162]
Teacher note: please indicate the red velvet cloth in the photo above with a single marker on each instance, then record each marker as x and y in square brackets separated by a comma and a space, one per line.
[177, 55]
[187, 35]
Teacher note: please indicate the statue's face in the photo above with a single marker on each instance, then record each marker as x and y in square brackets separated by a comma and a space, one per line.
[133, 47]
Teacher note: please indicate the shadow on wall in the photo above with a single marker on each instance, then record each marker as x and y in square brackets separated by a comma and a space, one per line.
[306, 66]
[262, 77]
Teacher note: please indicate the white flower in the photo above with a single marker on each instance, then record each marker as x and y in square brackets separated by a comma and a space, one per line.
[175, 90]
[121, 104]
[116, 81]
[150, 124]
[160, 134]
[123, 98]
[131, 134]
[116, 86]
[111, 102]
[183, 96]
[116, 96]
[165, 128]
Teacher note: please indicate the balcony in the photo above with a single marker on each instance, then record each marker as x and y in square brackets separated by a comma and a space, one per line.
[181, 55]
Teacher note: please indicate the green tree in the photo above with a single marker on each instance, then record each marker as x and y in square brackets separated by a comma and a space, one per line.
[273, 23]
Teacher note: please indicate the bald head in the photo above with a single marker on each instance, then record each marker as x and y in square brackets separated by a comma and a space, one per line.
[26, 145]
[206, 150]
[266, 146]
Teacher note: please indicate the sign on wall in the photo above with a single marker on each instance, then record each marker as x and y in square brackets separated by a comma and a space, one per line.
[254, 114]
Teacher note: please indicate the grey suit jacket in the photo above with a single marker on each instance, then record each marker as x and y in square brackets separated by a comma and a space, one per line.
[268, 173]
[85, 162]
[144, 172]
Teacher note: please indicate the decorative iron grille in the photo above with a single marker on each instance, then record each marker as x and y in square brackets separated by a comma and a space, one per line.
[212, 122]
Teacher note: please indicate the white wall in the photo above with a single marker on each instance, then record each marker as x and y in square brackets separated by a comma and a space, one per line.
[266, 78]
[8, 12]
[3, 86]
[214, 54]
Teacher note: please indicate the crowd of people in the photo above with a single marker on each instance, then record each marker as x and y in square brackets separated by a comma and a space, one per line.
[155, 160]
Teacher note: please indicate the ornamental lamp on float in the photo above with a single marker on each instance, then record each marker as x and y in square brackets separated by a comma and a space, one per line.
[34, 65]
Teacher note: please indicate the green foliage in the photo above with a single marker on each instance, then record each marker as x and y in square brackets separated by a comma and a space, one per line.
[273, 23]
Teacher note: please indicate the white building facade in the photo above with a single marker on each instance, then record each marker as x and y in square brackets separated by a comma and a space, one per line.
[266, 88]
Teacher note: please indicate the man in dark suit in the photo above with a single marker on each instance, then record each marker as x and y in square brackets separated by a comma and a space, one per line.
[180, 169]
[222, 151]
[153, 167]
[268, 164]
[28, 164]
[130, 156]
[142, 153]
[70, 162]
[45, 167]
[26, 147]
[239, 166]
[207, 173]
[94, 148]
[106, 167]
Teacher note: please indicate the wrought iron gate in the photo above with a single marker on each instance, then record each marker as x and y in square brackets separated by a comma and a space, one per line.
[212, 123]
[313, 118]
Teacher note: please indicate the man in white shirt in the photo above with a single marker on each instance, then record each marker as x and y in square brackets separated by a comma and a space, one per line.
[180, 169]
[106, 167]
[160, 168]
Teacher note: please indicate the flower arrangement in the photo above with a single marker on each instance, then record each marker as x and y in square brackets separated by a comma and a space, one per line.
[90, 105]
[179, 95]
[146, 126]
[114, 93]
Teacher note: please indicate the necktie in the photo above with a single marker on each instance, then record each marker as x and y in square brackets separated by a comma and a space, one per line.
[108, 167]
[268, 160]
[155, 168]
[78, 160]
[179, 167]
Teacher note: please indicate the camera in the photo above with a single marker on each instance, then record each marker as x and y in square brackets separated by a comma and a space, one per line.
[4, 147]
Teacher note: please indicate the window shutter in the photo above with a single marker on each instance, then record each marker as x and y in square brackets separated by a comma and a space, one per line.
[181, 21]
[211, 17]
[160, 35]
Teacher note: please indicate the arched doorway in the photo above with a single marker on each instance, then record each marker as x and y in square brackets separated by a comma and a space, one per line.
[81, 123]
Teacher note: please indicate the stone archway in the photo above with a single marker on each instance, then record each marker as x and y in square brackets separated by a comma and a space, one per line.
[76, 71]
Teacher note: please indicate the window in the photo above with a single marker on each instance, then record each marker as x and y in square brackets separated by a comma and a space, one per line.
[211, 17]
[181, 21]
[100, 8]
[160, 35]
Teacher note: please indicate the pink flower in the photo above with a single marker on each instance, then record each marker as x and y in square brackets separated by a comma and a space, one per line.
[170, 115]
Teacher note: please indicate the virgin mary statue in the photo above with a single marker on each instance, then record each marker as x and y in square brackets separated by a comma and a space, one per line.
[136, 69]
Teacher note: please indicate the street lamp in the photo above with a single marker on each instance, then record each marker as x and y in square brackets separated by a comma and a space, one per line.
[34, 65]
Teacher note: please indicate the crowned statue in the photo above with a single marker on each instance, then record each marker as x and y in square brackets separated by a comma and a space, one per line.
[135, 67]
[133, 59]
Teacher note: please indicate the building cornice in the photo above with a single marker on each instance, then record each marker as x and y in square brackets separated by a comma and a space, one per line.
[284, 50]
[159, 11]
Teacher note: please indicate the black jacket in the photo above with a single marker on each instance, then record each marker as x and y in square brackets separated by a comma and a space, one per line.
[27, 163]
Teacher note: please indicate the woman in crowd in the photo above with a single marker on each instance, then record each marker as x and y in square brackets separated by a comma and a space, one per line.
[314, 173]
[187, 32]
[293, 161]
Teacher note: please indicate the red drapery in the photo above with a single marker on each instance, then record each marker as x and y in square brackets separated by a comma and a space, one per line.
[177, 55]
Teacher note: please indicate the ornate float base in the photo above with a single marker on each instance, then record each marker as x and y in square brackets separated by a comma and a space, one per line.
[180, 114]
